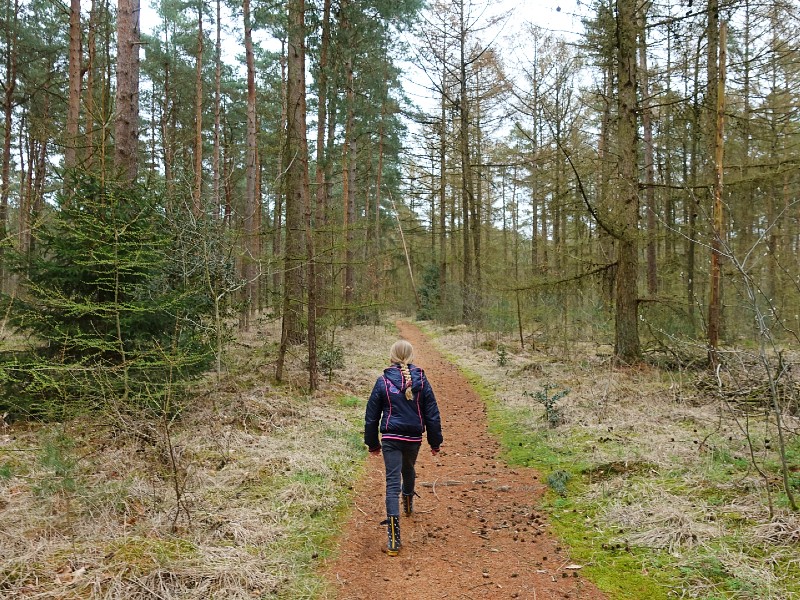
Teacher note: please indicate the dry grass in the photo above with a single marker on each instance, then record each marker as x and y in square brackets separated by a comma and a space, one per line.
[666, 461]
[660, 520]
[781, 531]
[88, 510]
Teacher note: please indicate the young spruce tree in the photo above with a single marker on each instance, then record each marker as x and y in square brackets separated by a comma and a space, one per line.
[109, 315]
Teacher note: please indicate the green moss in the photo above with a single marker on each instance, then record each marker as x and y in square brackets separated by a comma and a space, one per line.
[142, 555]
[788, 570]
[349, 401]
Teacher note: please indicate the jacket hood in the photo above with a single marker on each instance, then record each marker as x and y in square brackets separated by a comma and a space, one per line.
[394, 375]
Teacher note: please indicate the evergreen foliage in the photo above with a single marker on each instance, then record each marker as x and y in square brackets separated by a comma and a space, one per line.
[429, 293]
[110, 317]
[553, 414]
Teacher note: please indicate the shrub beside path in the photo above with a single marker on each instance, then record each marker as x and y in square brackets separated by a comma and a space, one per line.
[475, 533]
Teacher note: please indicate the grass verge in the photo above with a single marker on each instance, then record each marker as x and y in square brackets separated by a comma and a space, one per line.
[623, 573]
[652, 484]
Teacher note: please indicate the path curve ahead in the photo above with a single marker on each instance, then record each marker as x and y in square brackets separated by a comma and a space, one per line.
[476, 532]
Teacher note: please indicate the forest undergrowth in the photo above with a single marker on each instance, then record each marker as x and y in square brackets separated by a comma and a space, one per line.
[655, 473]
[654, 476]
[242, 500]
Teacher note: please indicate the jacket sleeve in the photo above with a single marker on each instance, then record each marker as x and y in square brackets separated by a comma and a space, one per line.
[372, 417]
[430, 411]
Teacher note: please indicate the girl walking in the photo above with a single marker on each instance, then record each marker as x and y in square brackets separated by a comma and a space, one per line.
[402, 407]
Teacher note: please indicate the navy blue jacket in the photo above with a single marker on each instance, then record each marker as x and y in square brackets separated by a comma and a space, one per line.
[398, 418]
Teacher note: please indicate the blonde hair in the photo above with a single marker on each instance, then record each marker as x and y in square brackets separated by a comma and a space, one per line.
[402, 353]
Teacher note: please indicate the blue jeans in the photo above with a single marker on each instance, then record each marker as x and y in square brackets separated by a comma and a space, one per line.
[399, 458]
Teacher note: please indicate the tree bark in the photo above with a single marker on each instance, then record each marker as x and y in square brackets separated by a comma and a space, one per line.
[126, 121]
[649, 168]
[296, 185]
[9, 87]
[198, 117]
[443, 187]
[215, 161]
[320, 179]
[91, 71]
[348, 186]
[467, 292]
[74, 97]
[251, 245]
[693, 202]
[280, 193]
[627, 345]
[714, 302]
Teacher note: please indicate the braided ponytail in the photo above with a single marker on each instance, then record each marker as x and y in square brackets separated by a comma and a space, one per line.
[407, 379]
[401, 354]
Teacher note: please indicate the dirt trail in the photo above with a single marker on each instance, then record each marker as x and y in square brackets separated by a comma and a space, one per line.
[476, 532]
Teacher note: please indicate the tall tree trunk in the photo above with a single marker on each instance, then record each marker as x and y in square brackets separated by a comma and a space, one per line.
[215, 161]
[168, 128]
[74, 96]
[669, 200]
[348, 187]
[106, 104]
[373, 246]
[26, 151]
[649, 167]
[693, 203]
[262, 288]
[9, 87]
[777, 140]
[251, 241]
[296, 185]
[477, 205]
[198, 116]
[331, 237]
[443, 190]
[91, 68]
[534, 167]
[320, 179]
[126, 122]
[606, 242]
[467, 291]
[555, 204]
[746, 222]
[350, 202]
[431, 207]
[379, 175]
[627, 345]
[33, 192]
[504, 213]
[26, 195]
[227, 170]
[714, 297]
[280, 193]
[311, 326]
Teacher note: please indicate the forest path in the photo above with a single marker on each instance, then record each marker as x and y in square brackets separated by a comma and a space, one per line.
[475, 533]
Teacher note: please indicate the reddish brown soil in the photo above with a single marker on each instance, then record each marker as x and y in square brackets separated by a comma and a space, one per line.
[476, 532]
